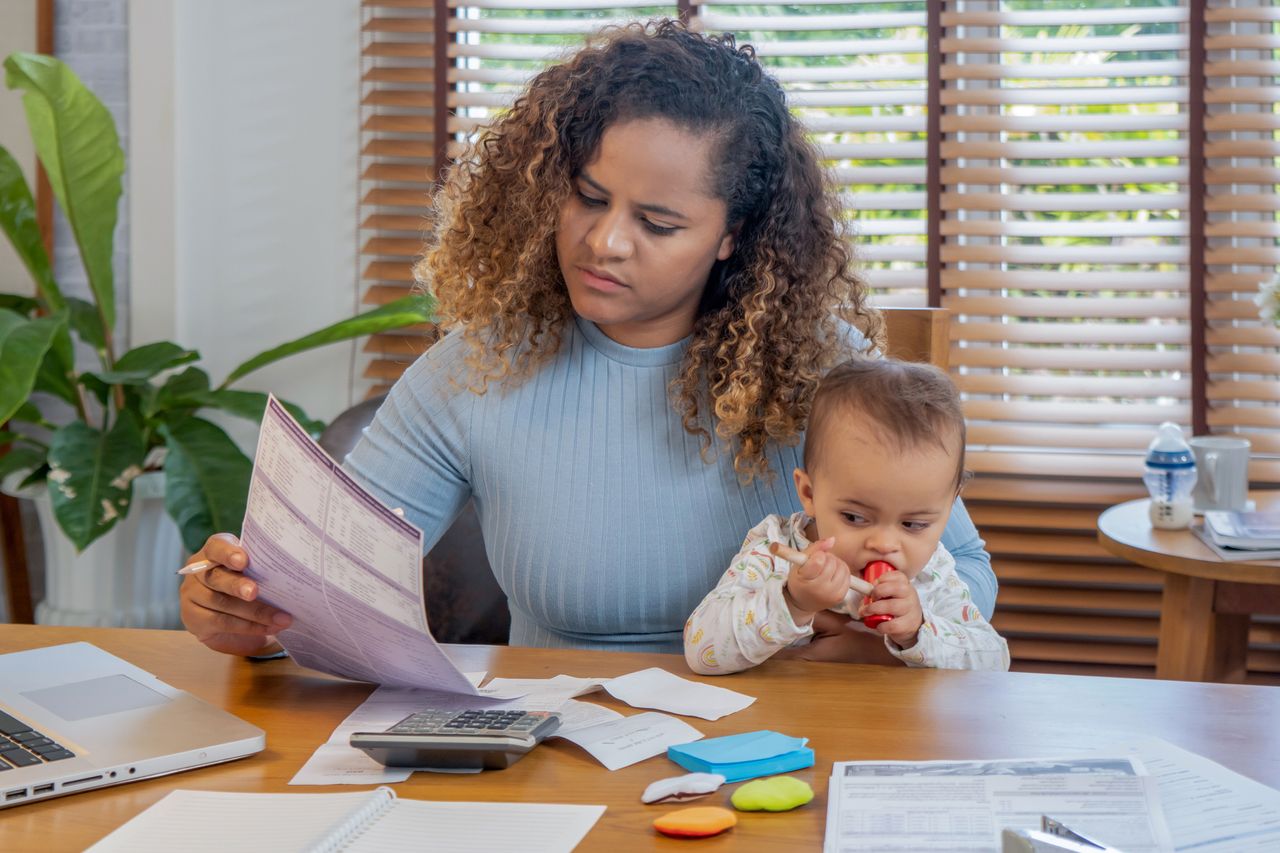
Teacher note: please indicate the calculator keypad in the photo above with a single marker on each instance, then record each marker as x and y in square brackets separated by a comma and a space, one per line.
[470, 722]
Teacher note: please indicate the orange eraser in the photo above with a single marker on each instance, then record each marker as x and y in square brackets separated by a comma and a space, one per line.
[697, 822]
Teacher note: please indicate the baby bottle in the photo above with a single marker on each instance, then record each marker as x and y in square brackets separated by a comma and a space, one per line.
[1170, 473]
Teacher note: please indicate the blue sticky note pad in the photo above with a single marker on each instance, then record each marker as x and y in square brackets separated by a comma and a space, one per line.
[744, 756]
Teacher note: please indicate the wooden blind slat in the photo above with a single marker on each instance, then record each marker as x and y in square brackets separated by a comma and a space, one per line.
[1065, 227]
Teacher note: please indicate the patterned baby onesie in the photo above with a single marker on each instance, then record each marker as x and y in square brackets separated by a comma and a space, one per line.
[745, 619]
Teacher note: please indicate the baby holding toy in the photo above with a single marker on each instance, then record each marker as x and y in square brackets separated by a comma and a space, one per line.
[883, 465]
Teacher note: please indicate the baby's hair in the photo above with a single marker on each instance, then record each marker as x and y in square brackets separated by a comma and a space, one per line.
[909, 404]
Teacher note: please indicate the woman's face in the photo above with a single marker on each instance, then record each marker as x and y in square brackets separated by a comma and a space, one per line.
[638, 236]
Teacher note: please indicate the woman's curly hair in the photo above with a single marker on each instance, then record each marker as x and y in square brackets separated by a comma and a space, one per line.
[768, 325]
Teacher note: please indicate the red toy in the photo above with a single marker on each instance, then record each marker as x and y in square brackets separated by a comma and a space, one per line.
[870, 572]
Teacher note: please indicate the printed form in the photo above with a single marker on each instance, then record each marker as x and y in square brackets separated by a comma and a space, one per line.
[346, 567]
[964, 805]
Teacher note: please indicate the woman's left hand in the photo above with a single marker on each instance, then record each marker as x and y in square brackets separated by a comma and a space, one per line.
[835, 640]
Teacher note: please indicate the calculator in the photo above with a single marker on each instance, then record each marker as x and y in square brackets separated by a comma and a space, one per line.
[458, 740]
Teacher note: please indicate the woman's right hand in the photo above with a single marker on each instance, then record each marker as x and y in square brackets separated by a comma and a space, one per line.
[218, 604]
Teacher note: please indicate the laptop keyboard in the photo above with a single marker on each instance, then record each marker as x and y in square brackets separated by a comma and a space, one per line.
[23, 746]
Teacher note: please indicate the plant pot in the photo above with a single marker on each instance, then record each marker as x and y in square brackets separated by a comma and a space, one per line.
[123, 579]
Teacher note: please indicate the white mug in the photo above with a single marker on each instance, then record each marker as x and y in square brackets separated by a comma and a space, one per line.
[1222, 472]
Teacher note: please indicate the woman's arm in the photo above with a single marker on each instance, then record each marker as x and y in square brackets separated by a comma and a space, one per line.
[973, 563]
[416, 455]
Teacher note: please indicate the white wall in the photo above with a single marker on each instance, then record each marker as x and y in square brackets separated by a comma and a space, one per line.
[245, 128]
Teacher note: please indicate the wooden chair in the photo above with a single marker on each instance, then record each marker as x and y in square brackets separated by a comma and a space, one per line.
[918, 334]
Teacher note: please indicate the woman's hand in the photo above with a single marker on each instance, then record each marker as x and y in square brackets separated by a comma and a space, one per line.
[820, 584]
[835, 640]
[894, 596]
[218, 605]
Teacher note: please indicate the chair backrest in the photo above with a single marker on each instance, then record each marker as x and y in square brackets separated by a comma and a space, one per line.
[464, 602]
[918, 334]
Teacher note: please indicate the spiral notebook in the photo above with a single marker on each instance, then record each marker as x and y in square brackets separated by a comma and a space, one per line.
[361, 822]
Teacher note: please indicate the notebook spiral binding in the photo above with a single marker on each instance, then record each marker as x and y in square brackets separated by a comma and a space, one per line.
[368, 814]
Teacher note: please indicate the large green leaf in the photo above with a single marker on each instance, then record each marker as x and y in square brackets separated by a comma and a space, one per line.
[8, 437]
[23, 345]
[206, 480]
[178, 391]
[251, 404]
[28, 413]
[53, 379]
[87, 323]
[23, 305]
[91, 476]
[405, 311]
[75, 138]
[18, 219]
[138, 365]
[20, 459]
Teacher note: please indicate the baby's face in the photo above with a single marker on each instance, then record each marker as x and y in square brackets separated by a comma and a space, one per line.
[878, 502]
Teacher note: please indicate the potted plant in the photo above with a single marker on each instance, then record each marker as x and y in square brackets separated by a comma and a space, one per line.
[112, 448]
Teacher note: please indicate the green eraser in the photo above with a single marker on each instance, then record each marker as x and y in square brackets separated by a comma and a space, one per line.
[777, 794]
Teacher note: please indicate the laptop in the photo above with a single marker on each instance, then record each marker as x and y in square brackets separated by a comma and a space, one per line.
[74, 718]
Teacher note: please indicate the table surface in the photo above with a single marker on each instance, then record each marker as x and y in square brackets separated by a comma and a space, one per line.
[849, 712]
[1125, 530]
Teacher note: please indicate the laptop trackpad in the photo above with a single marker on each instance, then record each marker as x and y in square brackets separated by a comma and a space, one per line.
[81, 700]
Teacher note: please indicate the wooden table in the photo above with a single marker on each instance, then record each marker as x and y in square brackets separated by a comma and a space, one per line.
[848, 711]
[1204, 614]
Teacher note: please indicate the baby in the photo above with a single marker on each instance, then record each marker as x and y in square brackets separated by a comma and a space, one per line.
[883, 465]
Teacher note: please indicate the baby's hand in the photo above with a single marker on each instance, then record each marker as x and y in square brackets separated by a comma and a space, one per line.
[820, 584]
[894, 596]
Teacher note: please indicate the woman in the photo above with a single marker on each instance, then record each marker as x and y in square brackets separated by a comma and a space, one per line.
[642, 267]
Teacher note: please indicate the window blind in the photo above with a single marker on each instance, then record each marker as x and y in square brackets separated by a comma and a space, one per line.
[398, 168]
[856, 75]
[1087, 186]
[1240, 231]
[1065, 237]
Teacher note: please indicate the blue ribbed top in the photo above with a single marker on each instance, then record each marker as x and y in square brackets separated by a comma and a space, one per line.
[602, 523]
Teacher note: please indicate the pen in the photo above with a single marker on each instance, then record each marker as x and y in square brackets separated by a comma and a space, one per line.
[197, 567]
[799, 558]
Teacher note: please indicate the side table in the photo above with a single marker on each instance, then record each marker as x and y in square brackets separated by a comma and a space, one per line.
[1204, 615]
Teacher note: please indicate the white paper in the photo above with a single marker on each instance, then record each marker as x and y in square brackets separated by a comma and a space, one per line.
[576, 715]
[557, 684]
[1210, 809]
[217, 821]
[347, 568]
[374, 821]
[964, 805]
[623, 742]
[657, 688]
[438, 827]
[338, 763]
